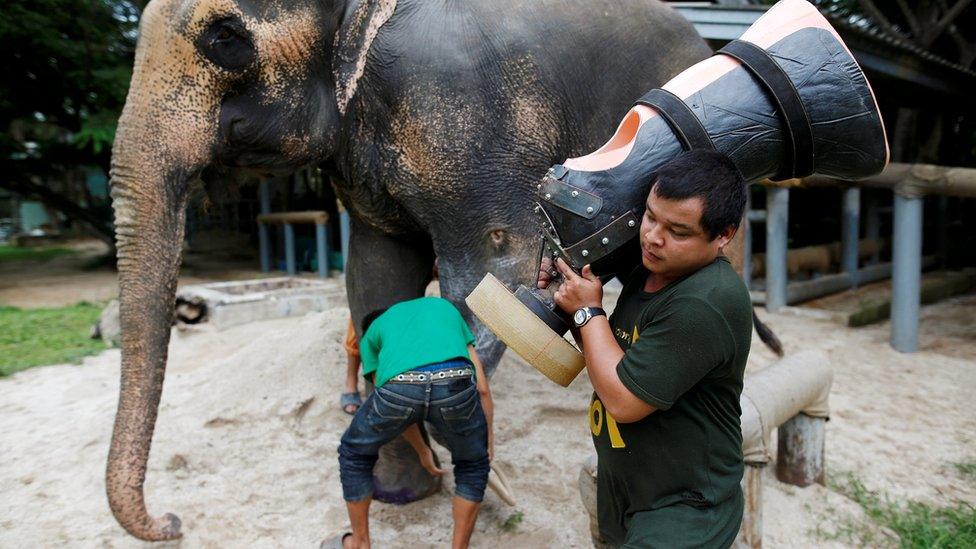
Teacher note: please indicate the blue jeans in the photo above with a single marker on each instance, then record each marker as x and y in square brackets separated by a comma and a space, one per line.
[452, 406]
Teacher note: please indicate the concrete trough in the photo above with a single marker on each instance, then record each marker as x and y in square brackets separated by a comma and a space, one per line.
[226, 304]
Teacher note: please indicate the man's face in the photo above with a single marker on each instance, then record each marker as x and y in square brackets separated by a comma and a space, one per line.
[672, 240]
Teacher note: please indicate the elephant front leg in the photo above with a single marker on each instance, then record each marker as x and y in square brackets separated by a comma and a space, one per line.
[383, 271]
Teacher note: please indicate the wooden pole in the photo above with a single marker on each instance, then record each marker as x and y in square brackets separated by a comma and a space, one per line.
[751, 533]
[800, 453]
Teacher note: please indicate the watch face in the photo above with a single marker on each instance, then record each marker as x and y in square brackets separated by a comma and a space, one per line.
[579, 317]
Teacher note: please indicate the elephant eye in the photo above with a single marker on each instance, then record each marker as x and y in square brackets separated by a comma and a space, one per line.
[227, 43]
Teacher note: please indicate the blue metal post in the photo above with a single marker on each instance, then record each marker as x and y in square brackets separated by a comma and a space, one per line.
[777, 220]
[290, 249]
[850, 225]
[264, 191]
[943, 234]
[747, 242]
[872, 229]
[322, 247]
[906, 276]
[344, 238]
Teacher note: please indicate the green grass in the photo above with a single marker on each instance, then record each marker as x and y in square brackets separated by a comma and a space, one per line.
[512, 522]
[35, 337]
[916, 524]
[967, 469]
[13, 253]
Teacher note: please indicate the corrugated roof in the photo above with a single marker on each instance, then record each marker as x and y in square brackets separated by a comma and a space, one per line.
[876, 51]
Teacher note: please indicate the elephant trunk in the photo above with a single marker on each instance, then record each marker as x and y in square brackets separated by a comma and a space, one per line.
[149, 232]
[165, 137]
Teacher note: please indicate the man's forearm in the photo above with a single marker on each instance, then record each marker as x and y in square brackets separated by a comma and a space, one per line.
[602, 354]
[416, 440]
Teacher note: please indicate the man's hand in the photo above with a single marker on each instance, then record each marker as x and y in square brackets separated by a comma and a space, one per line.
[424, 453]
[578, 291]
[545, 273]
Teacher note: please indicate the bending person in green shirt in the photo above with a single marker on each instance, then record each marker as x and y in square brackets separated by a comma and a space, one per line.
[667, 367]
[421, 356]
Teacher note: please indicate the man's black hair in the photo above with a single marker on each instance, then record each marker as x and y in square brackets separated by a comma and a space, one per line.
[370, 317]
[711, 176]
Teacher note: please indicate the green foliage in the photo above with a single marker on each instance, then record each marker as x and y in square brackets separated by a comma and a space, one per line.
[917, 524]
[12, 253]
[967, 469]
[66, 66]
[512, 522]
[34, 337]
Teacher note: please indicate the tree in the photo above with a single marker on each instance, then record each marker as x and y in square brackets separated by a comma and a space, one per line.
[66, 67]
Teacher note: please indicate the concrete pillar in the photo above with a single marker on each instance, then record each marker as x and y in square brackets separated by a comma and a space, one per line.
[906, 276]
[777, 220]
[344, 237]
[850, 229]
[290, 249]
[800, 450]
[264, 241]
[322, 249]
[747, 242]
[872, 229]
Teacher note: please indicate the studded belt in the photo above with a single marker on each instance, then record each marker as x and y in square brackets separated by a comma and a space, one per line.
[424, 377]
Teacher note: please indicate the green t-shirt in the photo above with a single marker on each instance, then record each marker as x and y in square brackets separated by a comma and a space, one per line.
[672, 478]
[411, 334]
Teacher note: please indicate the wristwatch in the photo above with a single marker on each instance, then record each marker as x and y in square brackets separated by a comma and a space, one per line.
[582, 316]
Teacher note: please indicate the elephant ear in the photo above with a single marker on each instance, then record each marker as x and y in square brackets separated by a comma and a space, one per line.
[359, 26]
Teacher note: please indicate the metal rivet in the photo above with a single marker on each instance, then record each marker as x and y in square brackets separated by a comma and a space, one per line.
[589, 209]
[631, 223]
[554, 273]
[575, 194]
[555, 254]
[584, 253]
[605, 241]
[539, 187]
[548, 196]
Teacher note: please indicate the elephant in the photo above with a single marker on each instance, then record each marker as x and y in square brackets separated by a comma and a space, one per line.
[434, 121]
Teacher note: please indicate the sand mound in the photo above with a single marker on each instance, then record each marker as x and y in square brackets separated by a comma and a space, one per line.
[245, 446]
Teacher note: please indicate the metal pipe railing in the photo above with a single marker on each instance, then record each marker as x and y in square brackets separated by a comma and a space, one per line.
[910, 183]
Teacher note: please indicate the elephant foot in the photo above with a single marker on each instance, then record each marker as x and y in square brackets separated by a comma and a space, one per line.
[399, 478]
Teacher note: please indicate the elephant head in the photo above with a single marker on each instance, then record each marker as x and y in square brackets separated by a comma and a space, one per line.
[245, 85]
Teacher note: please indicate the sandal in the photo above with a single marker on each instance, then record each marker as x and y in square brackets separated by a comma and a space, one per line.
[350, 399]
[334, 542]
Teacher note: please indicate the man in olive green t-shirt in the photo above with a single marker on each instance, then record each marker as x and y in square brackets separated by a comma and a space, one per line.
[667, 367]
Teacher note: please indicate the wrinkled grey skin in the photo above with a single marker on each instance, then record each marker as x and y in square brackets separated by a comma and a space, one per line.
[435, 119]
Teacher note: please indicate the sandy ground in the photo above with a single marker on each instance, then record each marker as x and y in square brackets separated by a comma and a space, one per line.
[245, 445]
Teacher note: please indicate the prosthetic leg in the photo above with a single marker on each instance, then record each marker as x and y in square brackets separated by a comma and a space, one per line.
[786, 100]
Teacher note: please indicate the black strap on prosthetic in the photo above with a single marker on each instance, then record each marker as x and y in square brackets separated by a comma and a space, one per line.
[679, 117]
[799, 160]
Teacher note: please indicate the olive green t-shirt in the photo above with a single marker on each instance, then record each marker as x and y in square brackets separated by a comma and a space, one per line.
[411, 334]
[672, 478]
